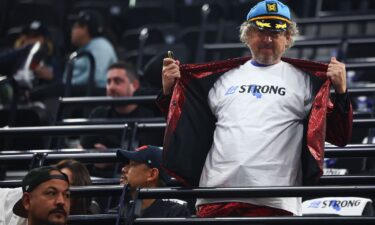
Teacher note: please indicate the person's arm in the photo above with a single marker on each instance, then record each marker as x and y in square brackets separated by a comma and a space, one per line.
[340, 118]
[170, 73]
[336, 72]
[88, 141]
[162, 101]
[100, 146]
[43, 72]
[10, 58]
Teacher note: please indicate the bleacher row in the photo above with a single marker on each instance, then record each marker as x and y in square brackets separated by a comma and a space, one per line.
[182, 25]
[330, 185]
[204, 37]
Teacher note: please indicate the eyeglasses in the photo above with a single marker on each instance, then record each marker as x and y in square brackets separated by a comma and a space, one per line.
[268, 33]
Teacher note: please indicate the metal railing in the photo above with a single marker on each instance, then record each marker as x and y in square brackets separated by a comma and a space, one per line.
[46, 157]
[105, 100]
[94, 155]
[95, 121]
[111, 219]
[229, 193]
[92, 101]
[70, 67]
[340, 43]
[336, 19]
[62, 130]
[110, 128]
[324, 180]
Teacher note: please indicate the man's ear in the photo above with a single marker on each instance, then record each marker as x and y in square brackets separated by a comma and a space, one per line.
[154, 175]
[136, 84]
[26, 200]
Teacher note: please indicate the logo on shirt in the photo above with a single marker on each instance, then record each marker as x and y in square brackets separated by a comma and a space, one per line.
[314, 204]
[337, 205]
[231, 90]
[257, 90]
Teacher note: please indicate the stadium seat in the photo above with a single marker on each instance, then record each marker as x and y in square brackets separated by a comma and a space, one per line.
[190, 37]
[142, 16]
[27, 115]
[189, 16]
[45, 11]
[130, 39]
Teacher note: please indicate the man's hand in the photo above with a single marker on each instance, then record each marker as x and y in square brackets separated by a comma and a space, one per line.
[337, 74]
[43, 72]
[100, 146]
[170, 73]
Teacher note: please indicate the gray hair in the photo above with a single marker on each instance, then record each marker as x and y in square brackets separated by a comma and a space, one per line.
[246, 28]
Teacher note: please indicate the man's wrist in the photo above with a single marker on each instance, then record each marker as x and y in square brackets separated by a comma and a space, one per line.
[341, 90]
[342, 101]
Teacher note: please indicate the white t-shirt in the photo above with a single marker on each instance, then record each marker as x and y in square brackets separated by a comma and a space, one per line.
[9, 197]
[259, 131]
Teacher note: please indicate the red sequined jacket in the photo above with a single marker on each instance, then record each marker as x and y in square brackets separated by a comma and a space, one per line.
[190, 122]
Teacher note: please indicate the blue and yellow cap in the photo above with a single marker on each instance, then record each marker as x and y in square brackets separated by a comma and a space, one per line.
[270, 15]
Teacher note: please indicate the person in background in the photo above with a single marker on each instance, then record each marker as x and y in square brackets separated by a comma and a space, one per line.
[87, 35]
[78, 175]
[45, 198]
[32, 62]
[32, 33]
[122, 81]
[143, 170]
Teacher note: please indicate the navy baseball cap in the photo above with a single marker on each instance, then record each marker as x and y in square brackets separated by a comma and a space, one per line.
[36, 27]
[92, 19]
[32, 180]
[270, 15]
[147, 154]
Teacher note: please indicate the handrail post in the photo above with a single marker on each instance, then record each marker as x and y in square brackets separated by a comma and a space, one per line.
[200, 54]
[91, 79]
[143, 36]
[38, 160]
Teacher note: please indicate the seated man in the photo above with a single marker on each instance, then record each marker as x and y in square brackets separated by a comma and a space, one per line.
[44, 66]
[87, 34]
[45, 198]
[32, 62]
[144, 170]
[122, 81]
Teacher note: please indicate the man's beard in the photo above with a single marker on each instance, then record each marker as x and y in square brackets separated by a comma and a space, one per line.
[49, 220]
[56, 222]
[266, 60]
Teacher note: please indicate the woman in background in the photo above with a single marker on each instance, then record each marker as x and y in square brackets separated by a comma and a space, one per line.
[78, 175]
